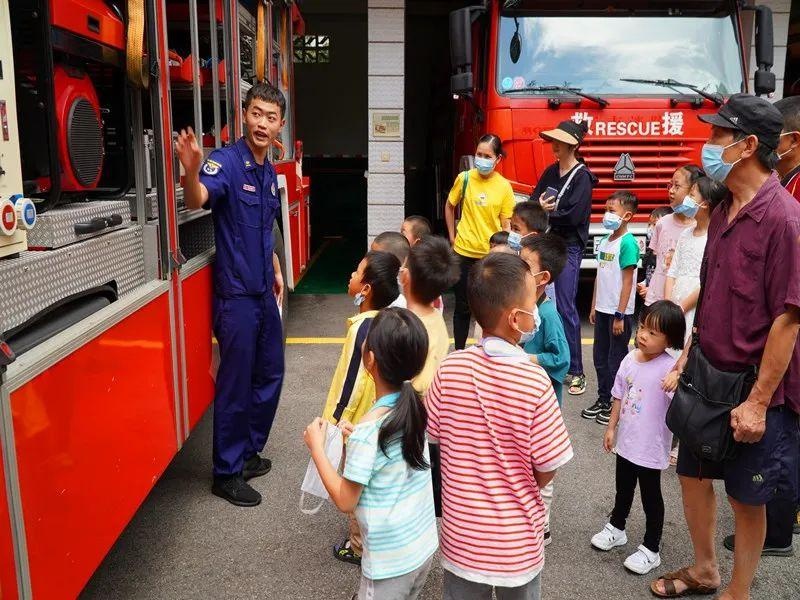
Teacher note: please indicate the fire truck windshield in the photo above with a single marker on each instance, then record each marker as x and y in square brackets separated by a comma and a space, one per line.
[593, 53]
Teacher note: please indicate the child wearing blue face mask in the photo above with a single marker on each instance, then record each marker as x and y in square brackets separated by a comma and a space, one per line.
[373, 286]
[613, 300]
[668, 229]
[683, 277]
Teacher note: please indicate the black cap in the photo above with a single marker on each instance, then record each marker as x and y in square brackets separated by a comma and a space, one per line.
[752, 116]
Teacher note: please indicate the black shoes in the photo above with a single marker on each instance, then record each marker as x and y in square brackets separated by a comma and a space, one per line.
[730, 543]
[594, 410]
[236, 491]
[256, 467]
[604, 416]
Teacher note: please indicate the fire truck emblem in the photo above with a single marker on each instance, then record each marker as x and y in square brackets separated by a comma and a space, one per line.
[624, 170]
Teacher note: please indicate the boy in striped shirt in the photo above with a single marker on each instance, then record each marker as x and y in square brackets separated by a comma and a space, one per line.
[501, 436]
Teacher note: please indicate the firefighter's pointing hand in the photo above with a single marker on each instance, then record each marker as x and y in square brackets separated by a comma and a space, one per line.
[188, 150]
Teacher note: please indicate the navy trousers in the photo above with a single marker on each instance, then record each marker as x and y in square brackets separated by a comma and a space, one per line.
[249, 379]
[609, 350]
[566, 296]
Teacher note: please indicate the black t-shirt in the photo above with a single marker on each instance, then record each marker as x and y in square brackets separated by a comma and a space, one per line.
[571, 219]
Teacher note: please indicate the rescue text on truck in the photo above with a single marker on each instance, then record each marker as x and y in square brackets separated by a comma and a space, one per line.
[637, 73]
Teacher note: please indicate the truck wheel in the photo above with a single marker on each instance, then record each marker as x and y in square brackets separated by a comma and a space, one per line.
[277, 238]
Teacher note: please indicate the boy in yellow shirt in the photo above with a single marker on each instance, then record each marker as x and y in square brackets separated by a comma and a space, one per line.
[432, 267]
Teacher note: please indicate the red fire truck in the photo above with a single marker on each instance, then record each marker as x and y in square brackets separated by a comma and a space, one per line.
[105, 320]
[636, 72]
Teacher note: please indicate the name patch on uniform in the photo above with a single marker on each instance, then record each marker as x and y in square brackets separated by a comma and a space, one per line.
[249, 188]
[211, 167]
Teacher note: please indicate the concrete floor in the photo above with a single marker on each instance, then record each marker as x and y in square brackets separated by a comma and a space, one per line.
[185, 543]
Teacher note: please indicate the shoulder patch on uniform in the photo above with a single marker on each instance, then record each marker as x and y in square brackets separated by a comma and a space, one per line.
[274, 191]
[211, 167]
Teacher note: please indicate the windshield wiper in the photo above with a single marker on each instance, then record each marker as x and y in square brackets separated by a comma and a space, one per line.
[671, 83]
[560, 88]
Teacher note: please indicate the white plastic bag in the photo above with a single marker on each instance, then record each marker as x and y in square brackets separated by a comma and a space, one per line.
[312, 484]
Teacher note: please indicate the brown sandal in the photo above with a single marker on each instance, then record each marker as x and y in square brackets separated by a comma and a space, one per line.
[693, 586]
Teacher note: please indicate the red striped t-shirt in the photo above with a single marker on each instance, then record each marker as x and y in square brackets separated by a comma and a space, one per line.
[496, 419]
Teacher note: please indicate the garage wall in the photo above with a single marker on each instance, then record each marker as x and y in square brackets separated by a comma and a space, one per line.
[386, 180]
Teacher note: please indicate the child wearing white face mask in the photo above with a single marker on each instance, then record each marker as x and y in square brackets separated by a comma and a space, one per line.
[683, 278]
[546, 256]
[491, 503]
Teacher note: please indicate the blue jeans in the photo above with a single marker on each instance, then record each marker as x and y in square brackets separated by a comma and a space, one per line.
[609, 350]
[566, 294]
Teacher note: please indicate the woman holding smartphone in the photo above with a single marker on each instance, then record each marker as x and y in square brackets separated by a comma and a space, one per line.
[565, 192]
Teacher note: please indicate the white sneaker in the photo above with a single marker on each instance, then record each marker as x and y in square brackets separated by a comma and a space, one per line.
[610, 537]
[642, 561]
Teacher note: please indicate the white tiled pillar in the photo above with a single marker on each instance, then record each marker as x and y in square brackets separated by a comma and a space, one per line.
[386, 74]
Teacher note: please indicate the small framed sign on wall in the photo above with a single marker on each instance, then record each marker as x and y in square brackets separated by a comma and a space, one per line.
[386, 124]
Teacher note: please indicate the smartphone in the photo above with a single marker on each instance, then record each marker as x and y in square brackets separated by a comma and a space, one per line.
[552, 192]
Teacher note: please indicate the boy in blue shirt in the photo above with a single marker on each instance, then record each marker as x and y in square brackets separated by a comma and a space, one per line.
[546, 256]
[530, 220]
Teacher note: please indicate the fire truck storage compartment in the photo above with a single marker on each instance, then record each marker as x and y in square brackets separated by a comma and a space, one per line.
[36, 281]
[78, 221]
[74, 118]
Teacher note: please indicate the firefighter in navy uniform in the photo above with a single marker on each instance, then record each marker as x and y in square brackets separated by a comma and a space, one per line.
[239, 185]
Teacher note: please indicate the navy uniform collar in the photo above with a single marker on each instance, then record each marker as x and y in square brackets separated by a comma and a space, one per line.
[248, 161]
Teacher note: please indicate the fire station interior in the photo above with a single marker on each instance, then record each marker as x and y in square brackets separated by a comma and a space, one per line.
[332, 121]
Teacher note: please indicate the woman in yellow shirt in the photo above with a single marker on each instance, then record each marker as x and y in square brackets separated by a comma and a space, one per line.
[487, 202]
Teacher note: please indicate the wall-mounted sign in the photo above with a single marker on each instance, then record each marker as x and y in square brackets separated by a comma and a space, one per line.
[386, 125]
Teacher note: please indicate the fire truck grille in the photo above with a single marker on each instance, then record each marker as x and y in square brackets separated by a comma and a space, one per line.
[654, 160]
[85, 142]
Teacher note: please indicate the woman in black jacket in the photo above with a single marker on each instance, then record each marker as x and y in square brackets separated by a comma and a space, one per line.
[565, 192]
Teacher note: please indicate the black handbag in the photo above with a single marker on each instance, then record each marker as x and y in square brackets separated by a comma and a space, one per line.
[700, 412]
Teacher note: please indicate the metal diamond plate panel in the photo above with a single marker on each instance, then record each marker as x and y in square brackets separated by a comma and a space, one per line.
[56, 227]
[196, 236]
[150, 205]
[37, 280]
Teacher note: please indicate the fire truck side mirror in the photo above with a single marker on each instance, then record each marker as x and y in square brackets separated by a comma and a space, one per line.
[461, 83]
[764, 78]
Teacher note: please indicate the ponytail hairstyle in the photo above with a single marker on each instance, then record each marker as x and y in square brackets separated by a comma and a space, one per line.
[495, 142]
[381, 274]
[584, 127]
[398, 340]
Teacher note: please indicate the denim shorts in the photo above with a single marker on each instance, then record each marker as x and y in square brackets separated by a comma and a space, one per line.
[758, 472]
